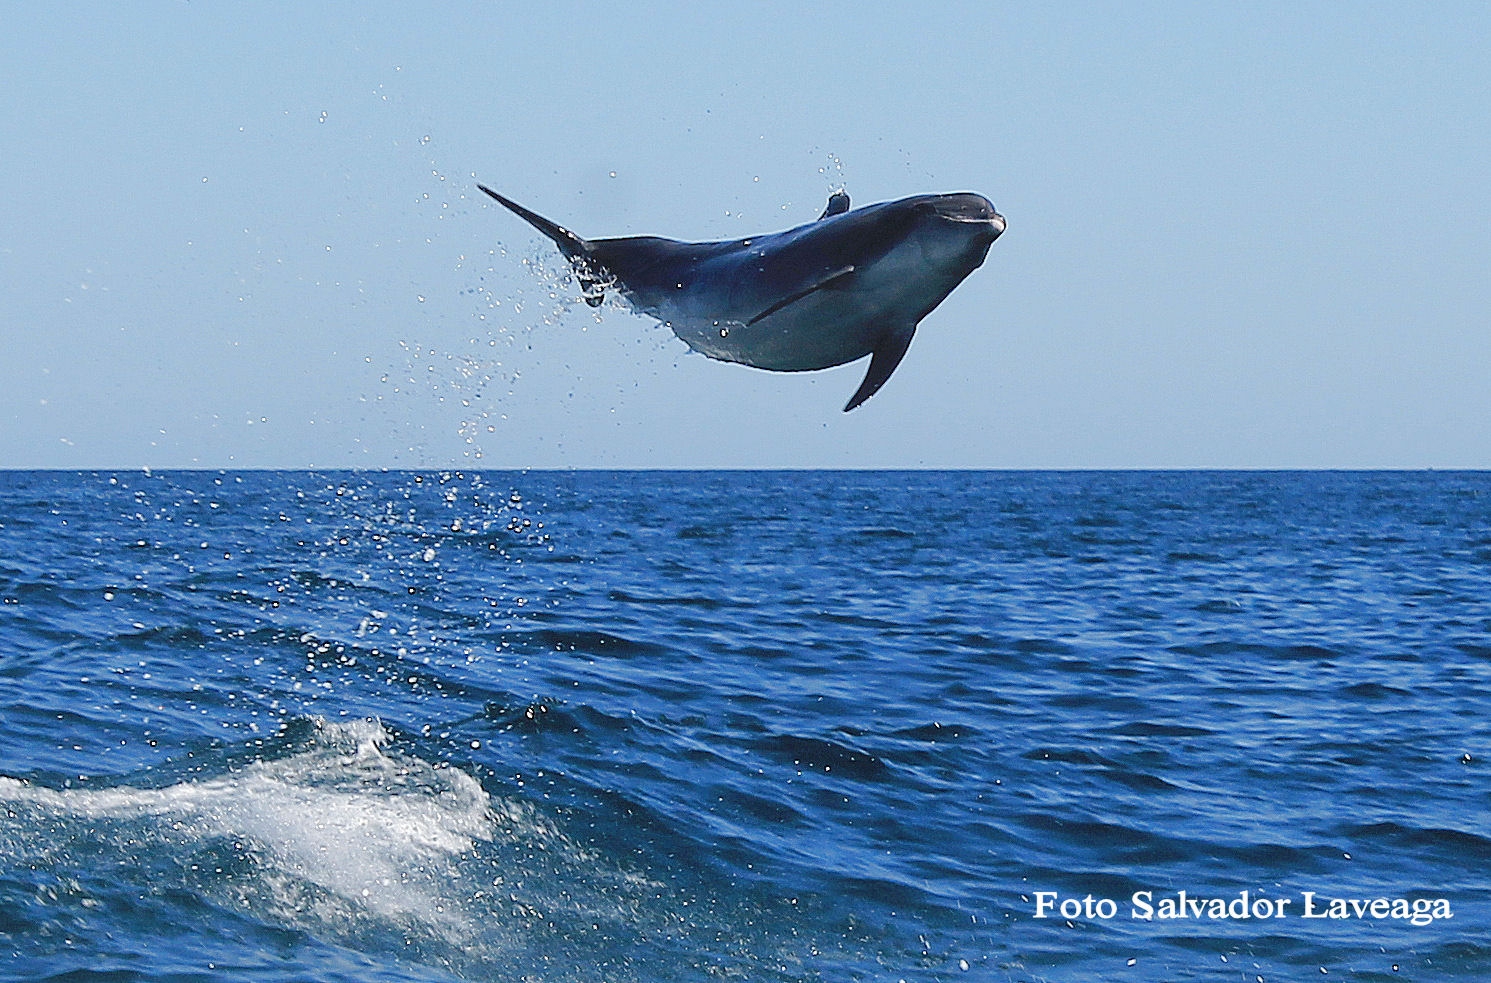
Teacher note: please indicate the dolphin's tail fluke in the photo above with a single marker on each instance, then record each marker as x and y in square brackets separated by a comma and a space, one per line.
[570, 244]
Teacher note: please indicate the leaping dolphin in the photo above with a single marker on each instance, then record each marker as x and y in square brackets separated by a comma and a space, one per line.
[851, 284]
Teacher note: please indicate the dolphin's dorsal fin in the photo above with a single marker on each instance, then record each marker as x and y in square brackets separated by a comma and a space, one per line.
[827, 280]
[838, 204]
[886, 356]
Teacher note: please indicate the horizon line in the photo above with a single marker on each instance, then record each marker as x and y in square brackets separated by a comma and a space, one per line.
[970, 469]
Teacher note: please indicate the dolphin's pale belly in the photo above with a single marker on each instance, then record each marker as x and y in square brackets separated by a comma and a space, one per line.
[825, 328]
[820, 334]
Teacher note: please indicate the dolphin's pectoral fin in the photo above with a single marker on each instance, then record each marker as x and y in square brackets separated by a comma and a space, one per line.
[838, 204]
[883, 361]
[830, 279]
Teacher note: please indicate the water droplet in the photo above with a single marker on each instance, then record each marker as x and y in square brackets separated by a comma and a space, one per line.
[424, 139]
[323, 117]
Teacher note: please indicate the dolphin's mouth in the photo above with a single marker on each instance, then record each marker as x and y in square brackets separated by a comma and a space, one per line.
[993, 224]
[967, 208]
[995, 220]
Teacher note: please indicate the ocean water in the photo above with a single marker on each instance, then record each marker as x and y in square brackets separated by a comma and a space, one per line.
[290, 726]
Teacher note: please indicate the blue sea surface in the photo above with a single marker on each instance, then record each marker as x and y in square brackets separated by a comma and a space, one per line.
[765, 726]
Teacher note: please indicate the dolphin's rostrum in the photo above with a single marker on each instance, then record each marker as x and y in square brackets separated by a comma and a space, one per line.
[851, 284]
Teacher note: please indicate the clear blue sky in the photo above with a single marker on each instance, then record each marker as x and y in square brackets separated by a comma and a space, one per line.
[1241, 235]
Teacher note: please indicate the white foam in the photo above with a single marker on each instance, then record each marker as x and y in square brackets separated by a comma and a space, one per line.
[381, 851]
[379, 829]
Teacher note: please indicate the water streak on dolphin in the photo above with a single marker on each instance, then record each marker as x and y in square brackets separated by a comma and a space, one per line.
[851, 284]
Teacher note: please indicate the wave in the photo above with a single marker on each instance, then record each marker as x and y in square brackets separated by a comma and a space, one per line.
[341, 815]
[328, 833]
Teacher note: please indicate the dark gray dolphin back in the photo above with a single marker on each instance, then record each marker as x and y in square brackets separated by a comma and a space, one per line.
[646, 264]
[835, 241]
